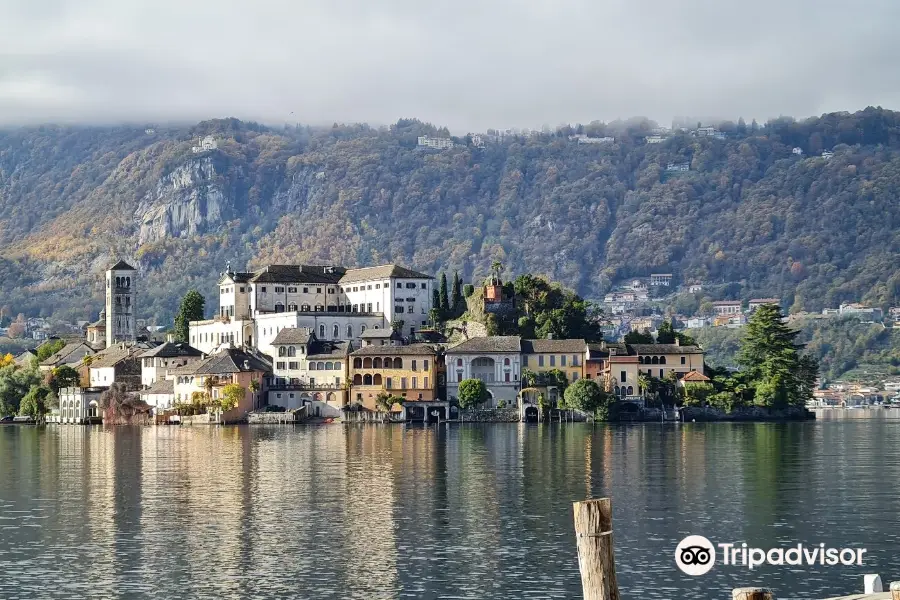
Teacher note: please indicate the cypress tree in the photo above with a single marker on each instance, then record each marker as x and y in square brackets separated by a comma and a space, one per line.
[191, 309]
[436, 300]
[445, 300]
[456, 292]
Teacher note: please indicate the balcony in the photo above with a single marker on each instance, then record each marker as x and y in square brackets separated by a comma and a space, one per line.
[281, 385]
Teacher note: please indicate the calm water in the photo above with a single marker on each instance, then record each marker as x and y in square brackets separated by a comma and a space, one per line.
[452, 512]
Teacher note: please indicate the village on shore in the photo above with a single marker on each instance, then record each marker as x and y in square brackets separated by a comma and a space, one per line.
[293, 342]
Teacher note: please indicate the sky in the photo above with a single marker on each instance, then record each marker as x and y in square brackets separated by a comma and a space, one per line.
[467, 64]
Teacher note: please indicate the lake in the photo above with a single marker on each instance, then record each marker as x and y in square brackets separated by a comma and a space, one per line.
[451, 511]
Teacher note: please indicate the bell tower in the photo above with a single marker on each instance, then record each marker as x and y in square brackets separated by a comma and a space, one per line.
[121, 290]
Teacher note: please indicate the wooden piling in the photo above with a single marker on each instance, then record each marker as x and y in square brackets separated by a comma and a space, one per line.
[895, 590]
[596, 561]
[752, 594]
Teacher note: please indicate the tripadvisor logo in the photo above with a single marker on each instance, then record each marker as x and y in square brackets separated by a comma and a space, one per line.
[696, 555]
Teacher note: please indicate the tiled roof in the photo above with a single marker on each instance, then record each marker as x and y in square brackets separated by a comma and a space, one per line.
[239, 277]
[171, 350]
[62, 356]
[113, 355]
[726, 302]
[543, 346]
[664, 349]
[293, 335]
[765, 301]
[494, 343]
[379, 334]
[694, 376]
[402, 350]
[329, 349]
[382, 272]
[297, 274]
[163, 386]
[121, 266]
[231, 360]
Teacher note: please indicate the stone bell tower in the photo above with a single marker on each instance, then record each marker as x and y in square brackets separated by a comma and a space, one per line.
[121, 288]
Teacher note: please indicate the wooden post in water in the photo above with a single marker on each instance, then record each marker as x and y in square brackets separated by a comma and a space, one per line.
[593, 533]
[752, 594]
[895, 590]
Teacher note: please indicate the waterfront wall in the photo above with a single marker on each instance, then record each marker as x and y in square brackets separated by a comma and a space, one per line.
[492, 415]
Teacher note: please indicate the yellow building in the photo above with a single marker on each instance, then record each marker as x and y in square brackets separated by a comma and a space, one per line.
[407, 371]
[542, 356]
[659, 360]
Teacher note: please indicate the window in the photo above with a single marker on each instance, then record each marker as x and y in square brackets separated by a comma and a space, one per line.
[263, 289]
[562, 360]
[349, 332]
[574, 377]
[388, 383]
[524, 360]
[661, 374]
[282, 351]
[280, 364]
[423, 286]
[355, 289]
[540, 360]
[242, 289]
[622, 378]
[362, 329]
[279, 290]
[330, 290]
[377, 286]
[356, 308]
[506, 377]
[414, 365]
[552, 360]
[293, 365]
[292, 290]
[505, 362]
[370, 307]
[292, 307]
[398, 309]
[425, 383]
[292, 351]
[304, 308]
[306, 290]
[369, 287]
[415, 382]
[318, 290]
[410, 285]
[322, 331]
[682, 360]
[335, 331]
[425, 366]
[403, 383]
[377, 306]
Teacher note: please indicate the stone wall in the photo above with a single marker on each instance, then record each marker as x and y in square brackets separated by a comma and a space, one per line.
[492, 415]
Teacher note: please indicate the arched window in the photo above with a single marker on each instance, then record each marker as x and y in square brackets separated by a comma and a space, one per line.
[279, 307]
[329, 366]
[640, 360]
[367, 363]
[362, 329]
[398, 363]
[367, 379]
[616, 391]
[654, 360]
[320, 366]
[357, 379]
[376, 364]
[322, 331]
[304, 308]
[292, 351]
[312, 366]
[662, 360]
[630, 391]
[118, 282]
[282, 351]
[128, 282]
[292, 307]
[357, 363]
[338, 365]
[375, 327]
[505, 362]
[349, 332]
[335, 331]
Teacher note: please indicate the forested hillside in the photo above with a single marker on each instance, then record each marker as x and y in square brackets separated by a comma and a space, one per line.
[810, 230]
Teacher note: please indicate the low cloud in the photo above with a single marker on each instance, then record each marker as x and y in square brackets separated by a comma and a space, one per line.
[467, 64]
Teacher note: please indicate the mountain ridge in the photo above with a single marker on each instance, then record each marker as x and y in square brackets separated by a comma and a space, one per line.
[749, 215]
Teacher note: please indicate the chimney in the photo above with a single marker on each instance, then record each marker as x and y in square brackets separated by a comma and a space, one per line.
[677, 341]
[246, 365]
[603, 345]
[170, 337]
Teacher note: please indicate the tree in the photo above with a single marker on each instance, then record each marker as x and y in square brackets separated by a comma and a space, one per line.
[456, 293]
[556, 378]
[48, 349]
[397, 325]
[63, 376]
[444, 297]
[119, 405]
[698, 393]
[435, 315]
[6, 360]
[771, 362]
[36, 403]
[666, 333]
[468, 290]
[15, 383]
[191, 309]
[435, 300]
[472, 392]
[638, 337]
[584, 395]
[231, 397]
[385, 402]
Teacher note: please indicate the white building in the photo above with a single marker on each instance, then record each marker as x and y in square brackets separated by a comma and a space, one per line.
[654, 139]
[334, 302]
[827, 154]
[309, 372]
[797, 151]
[865, 313]
[757, 302]
[435, 142]
[697, 322]
[477, 140]
[207, 143]
[678, 167]
[727, 307]
[661, 279]
[584, 139]
[155, 362]
[160, 395]
[495, 360]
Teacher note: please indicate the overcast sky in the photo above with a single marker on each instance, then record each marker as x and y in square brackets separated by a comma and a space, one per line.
[467, 64]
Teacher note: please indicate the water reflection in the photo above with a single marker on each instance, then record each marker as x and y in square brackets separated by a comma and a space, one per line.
[438, 512]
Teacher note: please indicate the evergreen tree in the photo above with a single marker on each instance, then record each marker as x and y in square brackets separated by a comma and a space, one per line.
[445, 299]
[456, 293]
[191, 309]
[666, 333]
[436, 300]
[771, 361]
